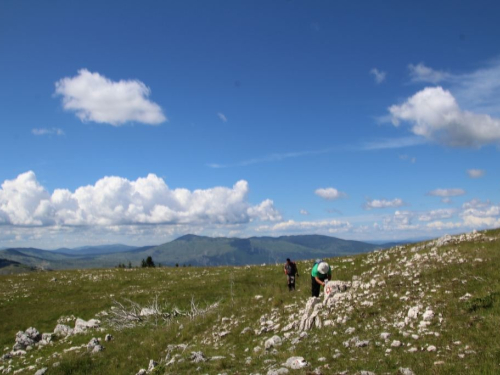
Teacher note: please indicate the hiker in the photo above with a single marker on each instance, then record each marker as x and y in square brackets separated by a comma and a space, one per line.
[320, 274]
[290, 271]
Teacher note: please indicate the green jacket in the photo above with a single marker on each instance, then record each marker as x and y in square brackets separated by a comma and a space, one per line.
[315, 273]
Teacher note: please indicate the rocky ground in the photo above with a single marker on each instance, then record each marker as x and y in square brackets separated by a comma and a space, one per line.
[410, 309]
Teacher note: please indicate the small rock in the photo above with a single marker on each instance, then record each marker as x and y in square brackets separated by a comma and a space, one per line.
[431, 348]
[108, 337]
[42, 371]
[272, 342]
[405, 371]
[296, 363]
[428, 315]
[198, 357]
[396, 344]
[152, 365]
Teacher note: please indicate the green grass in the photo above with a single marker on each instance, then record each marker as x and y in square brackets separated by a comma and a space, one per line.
[33, 300]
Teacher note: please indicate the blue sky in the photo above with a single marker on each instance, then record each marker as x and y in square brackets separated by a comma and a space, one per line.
[137, 122]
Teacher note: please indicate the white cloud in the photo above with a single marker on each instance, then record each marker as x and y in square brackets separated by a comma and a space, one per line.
[476, 173]
[222, 116]
[383, 203]
[320, 226]
[437, 214]
[44, 131]
[446, 192]
[435, 115]
[422, 73]
[443, 225]
[304, 212]
[378, 75]
[390, 143]
[477, 91]
[118, 201]
[96, 98]
[476, 203]
[330, 193]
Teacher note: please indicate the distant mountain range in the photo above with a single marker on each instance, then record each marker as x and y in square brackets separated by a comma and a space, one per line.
[192, 250]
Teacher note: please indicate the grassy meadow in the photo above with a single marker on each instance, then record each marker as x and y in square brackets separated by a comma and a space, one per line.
[463, 330]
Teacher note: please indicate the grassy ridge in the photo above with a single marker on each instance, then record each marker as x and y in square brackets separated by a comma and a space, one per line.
[461, 330]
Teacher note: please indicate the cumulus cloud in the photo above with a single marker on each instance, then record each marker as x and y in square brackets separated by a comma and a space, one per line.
[44, 131]
[478, 214]
[378, 75]
[94, 97]
[437, 214]
[222, 116]
[118, 201]
[446, 192]
[383, 203]
[476, 173]
[478, 91]
[330, 193]
[435, 115]
[320, 226]
[422, 73]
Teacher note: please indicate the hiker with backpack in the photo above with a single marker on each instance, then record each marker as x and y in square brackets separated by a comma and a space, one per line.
[321, 273]
[290, 271]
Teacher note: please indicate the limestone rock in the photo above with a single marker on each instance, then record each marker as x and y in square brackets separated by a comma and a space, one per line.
[198, 357]
[42, 371]
[279, 371]
[428, 315]
[296, 363]
[152, 365]
[272, 342]
[82, 326]
[405, 371]
[63, 330]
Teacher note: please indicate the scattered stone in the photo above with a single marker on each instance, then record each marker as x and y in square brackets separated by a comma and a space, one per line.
[385, 335]
[272, 342]
[92, 343]
[428, 315]
[141, 372]
[42, 371]
[198, 357]
[108, 337]
[396, 344]
[82, 326]
[296, 363]
[405, 371]
[152, 365]
[431, 348]
[279, 371]
[63, 330]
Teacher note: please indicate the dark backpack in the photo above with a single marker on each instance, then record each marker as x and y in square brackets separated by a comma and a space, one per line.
[293, 268]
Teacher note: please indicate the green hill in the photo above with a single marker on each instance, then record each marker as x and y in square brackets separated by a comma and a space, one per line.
[197, 251]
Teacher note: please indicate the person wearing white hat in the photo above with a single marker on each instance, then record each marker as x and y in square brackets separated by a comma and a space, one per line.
[320, 274]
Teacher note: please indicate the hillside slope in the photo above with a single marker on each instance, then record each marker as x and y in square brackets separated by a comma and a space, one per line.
[194, 250]
[421, 308]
